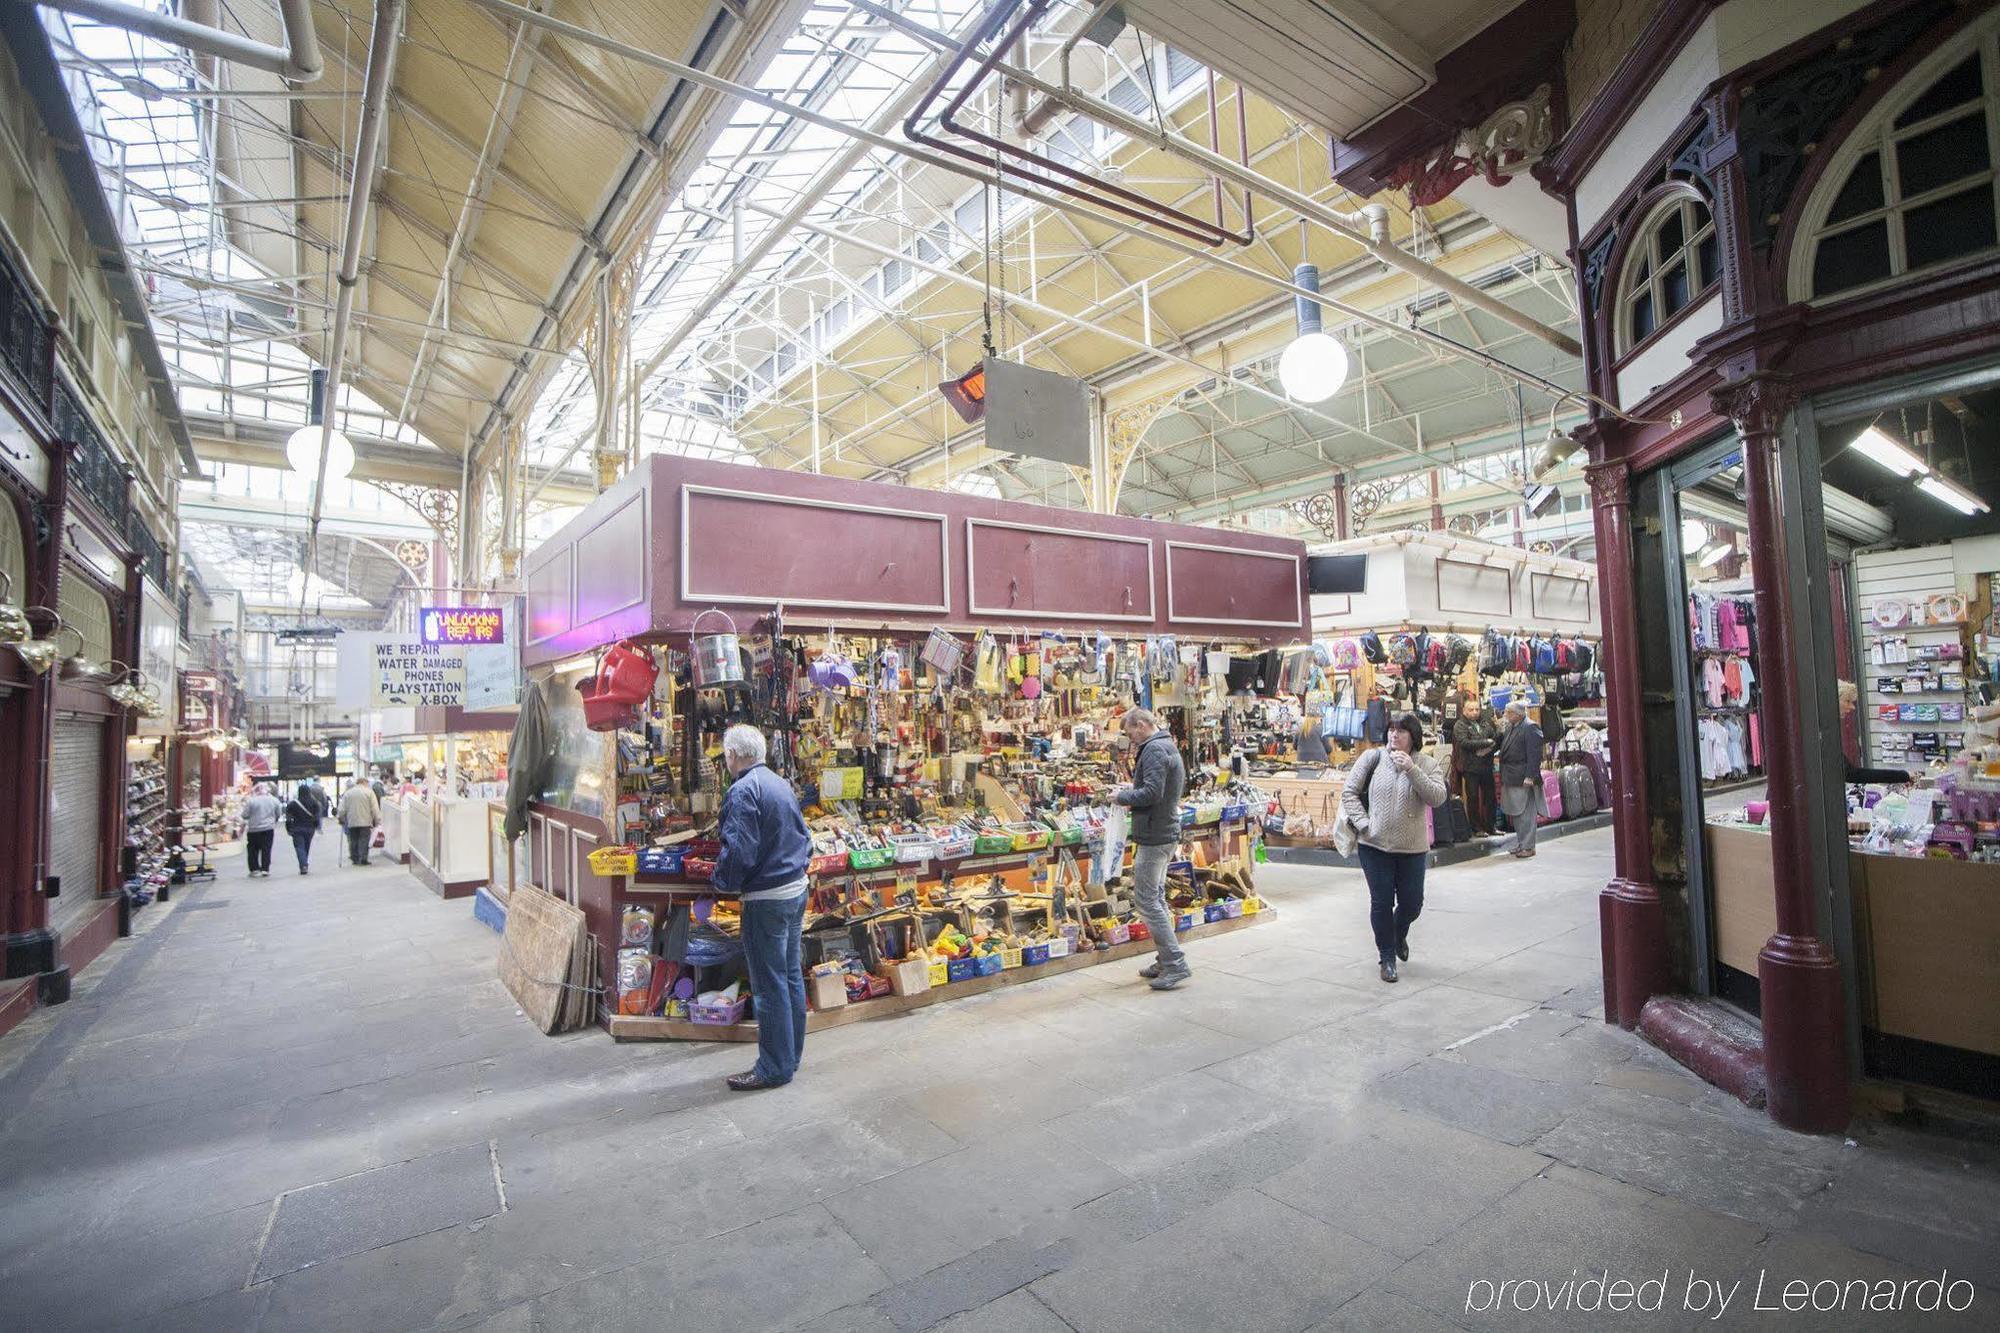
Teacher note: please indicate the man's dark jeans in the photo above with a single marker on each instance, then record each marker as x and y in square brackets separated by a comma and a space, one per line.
[357, 844]
[778, 981]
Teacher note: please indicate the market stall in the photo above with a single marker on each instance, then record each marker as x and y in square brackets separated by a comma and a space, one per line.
[1441, 620]
[446, 777]
[953, 734]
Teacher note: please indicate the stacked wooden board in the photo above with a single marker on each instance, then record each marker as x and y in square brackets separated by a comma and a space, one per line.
[548, 961]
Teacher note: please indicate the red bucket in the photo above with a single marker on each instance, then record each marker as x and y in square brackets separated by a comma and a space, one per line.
[603, 712]
[627, 674]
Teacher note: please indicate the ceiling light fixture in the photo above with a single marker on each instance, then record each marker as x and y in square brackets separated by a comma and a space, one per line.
[1953, 494]
[1713, 553]
[1876, 445]
[1313, 367]
[302, 450]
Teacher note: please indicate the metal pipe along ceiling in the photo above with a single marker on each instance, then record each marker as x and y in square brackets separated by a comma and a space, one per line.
[298, 60]
[1374, 239]
[944, 162]
[375, 86]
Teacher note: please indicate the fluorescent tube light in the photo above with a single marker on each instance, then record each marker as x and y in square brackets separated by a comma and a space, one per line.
[1890, 454]
[1964, 501]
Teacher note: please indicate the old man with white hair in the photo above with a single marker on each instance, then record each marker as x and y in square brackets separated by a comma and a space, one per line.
[765, 849]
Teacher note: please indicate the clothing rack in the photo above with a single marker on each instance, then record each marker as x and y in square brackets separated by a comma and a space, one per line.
[1456, 627]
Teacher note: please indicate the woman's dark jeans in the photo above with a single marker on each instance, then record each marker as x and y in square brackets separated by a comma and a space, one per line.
[1395, 894]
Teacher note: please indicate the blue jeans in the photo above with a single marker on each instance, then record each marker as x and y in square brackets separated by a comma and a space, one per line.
[1395, 894]
[778, 981]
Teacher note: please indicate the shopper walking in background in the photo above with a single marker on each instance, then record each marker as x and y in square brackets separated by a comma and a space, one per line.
[1158, 779]
[260, 827]
[1522, 796]
[303, 814]
[1474, 738]
[1385, 797]
[360, 812]
[765, 848]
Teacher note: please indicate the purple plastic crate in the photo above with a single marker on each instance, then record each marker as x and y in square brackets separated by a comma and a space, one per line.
[721, 1015]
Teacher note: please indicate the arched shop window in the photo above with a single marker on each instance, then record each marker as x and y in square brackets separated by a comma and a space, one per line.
[13, 557]
[1672, 264]
[1914, 186]
[84, 609]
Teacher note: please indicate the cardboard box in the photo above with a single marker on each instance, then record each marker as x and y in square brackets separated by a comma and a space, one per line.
[825, 992]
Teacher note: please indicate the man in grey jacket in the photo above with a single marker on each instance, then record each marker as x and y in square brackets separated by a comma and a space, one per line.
[1158, 779]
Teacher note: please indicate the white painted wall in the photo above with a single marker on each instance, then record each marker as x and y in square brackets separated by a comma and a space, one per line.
[1735, 35]
[1453, 581]
[1668, 355]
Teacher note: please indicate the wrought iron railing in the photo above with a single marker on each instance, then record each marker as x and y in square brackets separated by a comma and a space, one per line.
[26, 341]
[152, 555]
[95, 471]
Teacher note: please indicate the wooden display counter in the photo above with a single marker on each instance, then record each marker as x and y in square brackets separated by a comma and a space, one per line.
[1927, 930]
[1929, 933]
[1742, 900]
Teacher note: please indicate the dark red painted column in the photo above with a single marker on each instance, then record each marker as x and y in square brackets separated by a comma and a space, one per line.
[1631, 922]
[1805, 1052]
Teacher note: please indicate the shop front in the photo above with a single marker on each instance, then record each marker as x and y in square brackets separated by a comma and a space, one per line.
[941, 676]
[445, 779]
[1792, 328]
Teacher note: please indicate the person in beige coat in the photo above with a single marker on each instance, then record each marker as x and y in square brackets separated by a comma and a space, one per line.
[360, 812]
[1385, 797]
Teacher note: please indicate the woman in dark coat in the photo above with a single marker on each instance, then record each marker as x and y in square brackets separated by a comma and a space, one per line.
[1474, 738]
[303, 814]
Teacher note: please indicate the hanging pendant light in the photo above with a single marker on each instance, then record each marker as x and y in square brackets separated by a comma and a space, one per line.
[1313, 367]
[303, 448]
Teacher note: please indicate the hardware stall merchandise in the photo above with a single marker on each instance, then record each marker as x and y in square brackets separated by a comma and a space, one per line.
[957, 792]
[143, 863]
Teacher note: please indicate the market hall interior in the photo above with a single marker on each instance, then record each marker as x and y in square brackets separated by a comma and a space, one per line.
[354, 1129]
[1062, 663]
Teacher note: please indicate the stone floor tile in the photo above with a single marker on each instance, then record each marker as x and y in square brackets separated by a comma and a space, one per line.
[379, 1207]
[1405, 1183]
[1379, 1310]
[1491, 1102]
[1563, 1224]
[1245, 1262]
[1017, 1312]
[1014, 1183]
[775, 1274]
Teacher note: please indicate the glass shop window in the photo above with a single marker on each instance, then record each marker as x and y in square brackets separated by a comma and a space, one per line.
[1920, 189]
[1673, 263]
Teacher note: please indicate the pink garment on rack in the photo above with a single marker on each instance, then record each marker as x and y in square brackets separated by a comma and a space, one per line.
[1756, 744]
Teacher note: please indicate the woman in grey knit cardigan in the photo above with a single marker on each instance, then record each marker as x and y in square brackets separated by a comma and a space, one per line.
[1385, 797]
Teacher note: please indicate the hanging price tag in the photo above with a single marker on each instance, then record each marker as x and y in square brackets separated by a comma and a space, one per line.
[840, 784]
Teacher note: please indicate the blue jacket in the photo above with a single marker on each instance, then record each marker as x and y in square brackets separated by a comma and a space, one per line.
[764, 840]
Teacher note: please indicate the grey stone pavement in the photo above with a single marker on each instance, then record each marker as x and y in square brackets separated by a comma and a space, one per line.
[307, 1103]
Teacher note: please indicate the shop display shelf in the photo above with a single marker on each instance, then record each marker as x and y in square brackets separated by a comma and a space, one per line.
[1037, 962]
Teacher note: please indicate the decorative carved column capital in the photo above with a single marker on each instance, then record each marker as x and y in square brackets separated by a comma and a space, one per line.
[1610, 482]
[1757, 403]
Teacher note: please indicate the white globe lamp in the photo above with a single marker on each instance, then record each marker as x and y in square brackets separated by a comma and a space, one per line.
[302, 452]
[1694, 534]
[1313, 368]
